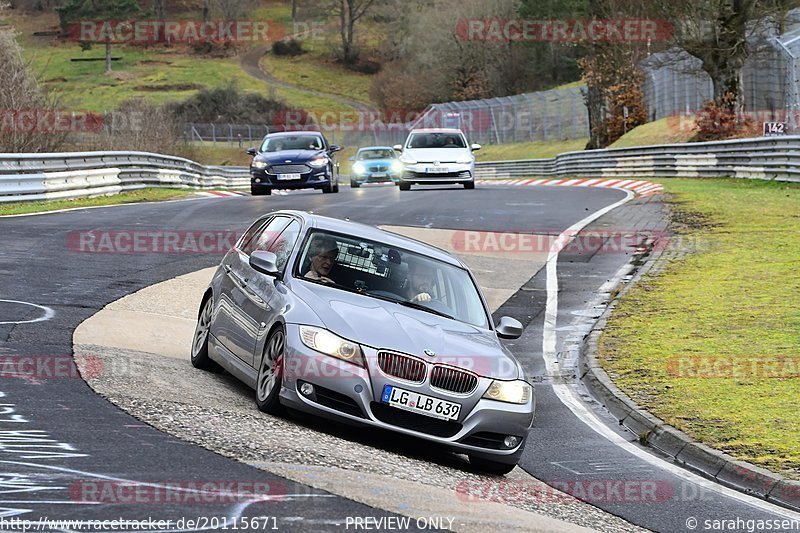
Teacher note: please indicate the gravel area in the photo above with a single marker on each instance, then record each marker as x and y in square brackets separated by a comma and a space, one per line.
[217, 412]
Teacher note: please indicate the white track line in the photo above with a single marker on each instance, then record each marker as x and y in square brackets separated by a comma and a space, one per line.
[567, 396]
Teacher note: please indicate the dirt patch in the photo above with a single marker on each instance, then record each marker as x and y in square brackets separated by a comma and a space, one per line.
[60, 79]
[682, 220]
[169, 87]
[122, 76]
[153, 62]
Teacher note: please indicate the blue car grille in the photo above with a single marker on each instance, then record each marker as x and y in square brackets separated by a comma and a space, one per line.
[288, 169]
[379, 168]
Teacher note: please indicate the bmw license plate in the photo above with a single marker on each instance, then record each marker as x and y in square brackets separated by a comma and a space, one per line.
[436, 170]
[289, 176]
[379, 174]
[419, 403]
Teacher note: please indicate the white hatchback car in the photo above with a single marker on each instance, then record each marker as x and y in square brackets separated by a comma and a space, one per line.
[437, 156]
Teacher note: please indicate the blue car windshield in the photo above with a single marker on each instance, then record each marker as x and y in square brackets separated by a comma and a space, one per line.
[387, 153]
[292, 142]
[381, 271]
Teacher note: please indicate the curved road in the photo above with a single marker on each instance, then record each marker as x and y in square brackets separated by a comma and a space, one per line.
[56, 434]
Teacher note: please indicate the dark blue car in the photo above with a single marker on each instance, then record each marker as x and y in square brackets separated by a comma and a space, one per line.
[375, 164]
[294, 160]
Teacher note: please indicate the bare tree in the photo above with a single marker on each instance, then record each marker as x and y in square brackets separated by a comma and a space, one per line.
[717, 32]
[350, 12]
[21, 95]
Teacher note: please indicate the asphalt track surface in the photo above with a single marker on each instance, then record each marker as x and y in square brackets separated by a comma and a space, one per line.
[57, 436]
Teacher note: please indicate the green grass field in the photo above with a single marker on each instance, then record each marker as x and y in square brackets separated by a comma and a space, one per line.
[529, 150]
[141, 195]
[711, 344]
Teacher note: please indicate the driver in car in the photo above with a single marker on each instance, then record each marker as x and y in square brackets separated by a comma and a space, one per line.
[323, 252]
[421, 277]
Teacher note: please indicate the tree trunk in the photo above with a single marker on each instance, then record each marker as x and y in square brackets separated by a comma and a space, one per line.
[343, 22]
[294, 10]
[108, 56]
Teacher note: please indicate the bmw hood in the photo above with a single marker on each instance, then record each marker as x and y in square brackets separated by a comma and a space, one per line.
[381, 324]
[445, 155]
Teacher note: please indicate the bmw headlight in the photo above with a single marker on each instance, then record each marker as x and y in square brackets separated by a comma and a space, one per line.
[397, 166]
[259, 164]
[509, 391]
[326, 342]
[407, 160]
[318, 162]
[359, 168]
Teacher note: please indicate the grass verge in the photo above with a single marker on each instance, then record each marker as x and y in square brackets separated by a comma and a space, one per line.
[710, 344]
[142, 195]
[528, 150]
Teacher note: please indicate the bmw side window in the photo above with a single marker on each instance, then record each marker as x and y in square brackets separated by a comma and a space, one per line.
[269, 233]
[282, 246]
[245, 241]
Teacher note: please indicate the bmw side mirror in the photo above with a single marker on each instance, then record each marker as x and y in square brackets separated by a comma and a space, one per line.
[352, 158]
[398, 147]
[334, 148]
[475, 147]
[509, 328]
[265, 262]
[252, 151]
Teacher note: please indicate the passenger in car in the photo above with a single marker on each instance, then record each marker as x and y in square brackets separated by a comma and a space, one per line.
[323, 252]
[421, 277]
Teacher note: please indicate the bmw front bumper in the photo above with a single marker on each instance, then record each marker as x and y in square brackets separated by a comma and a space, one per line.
[351, 394]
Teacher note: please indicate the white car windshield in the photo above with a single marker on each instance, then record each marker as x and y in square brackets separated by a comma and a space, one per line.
[388, 273]
[436, 140]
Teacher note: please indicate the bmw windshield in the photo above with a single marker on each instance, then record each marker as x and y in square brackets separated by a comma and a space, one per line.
[380, 271]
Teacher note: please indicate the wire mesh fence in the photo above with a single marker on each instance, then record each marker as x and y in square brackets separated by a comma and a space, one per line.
[675, 83]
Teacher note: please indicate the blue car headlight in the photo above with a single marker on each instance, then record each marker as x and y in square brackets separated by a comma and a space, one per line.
[359, 168]
[259, 164]
[319, 162]
[396, 167]
[328, 343]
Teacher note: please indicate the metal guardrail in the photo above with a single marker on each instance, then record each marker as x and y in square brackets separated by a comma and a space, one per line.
[769, 158]
[78, 174]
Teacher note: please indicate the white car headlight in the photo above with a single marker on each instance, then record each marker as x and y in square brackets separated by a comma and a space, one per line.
[326, 342]
[397, 166]
[259, 164]
[407, 160]
[464, 160]
[318, 162]
[509, 391]
[359, 168]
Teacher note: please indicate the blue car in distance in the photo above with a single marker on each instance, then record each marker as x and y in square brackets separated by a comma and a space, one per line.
[375, 164]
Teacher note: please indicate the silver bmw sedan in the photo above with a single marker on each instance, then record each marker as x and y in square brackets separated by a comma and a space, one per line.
[350, 322]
